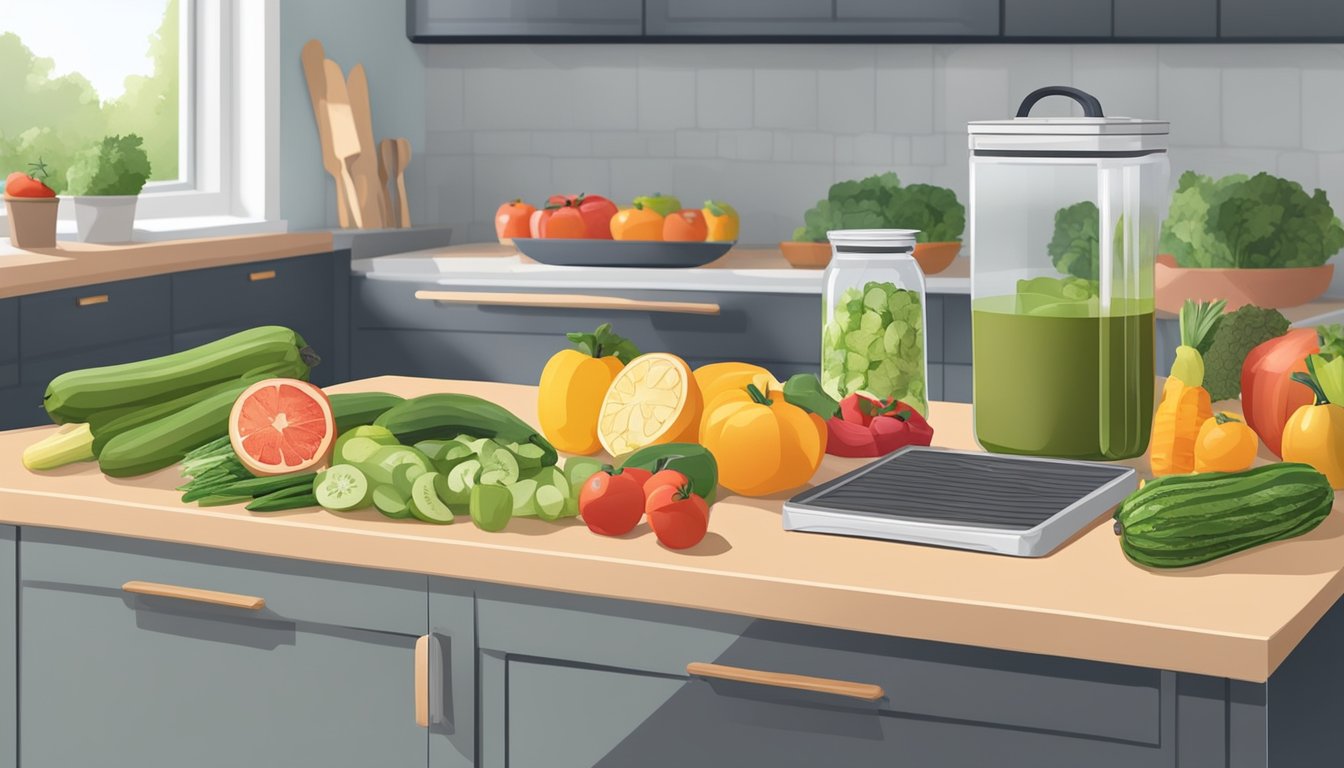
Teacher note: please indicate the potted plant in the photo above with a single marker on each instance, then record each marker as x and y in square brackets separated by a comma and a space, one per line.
[880, 202]
[106, 180]
[1258, 240]
[30, 205]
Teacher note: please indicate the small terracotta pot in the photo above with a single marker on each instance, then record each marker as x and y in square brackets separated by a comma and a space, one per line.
[32, 221]
[935, 257]
[1268, 288]
[806, 255]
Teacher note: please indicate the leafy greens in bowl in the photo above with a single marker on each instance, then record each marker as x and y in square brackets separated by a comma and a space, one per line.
[1249, 222]
[880, 202]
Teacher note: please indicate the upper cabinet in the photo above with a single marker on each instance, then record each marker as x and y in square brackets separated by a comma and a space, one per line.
[443, 20]
[1167, 19]
[1057, 18]
[820, 18]
[1282, 19]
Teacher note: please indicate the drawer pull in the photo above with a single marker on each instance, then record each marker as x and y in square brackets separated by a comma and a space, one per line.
[864, 691]
[89, 301]
[567, 301]
[422, 681]
[195, 595]
[265, 274]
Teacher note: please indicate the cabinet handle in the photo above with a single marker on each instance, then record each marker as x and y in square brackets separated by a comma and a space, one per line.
[228, 599]
[265, 274]
[865, 691]
[567, 301]
[422, 681]
[88, 301]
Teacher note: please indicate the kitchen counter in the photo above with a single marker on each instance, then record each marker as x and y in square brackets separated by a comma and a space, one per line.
[744, 268]
[73, 264]
[1238, 617]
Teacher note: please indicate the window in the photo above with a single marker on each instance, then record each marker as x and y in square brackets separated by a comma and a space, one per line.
[194, 78]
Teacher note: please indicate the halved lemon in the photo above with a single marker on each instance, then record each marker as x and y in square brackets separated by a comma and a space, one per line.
[654, 399]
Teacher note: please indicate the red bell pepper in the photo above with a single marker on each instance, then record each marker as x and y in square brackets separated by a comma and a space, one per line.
[867, 428]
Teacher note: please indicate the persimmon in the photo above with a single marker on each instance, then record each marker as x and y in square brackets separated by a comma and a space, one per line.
[566, 223]
[637, 223]
[685, 226]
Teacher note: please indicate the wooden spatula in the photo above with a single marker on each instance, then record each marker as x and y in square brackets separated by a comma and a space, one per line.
[387, 163]
[354, 160]
[366, 166]
[403, 160]
[314, 71]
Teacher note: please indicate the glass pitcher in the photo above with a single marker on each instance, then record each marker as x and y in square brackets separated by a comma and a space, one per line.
[1063, 228]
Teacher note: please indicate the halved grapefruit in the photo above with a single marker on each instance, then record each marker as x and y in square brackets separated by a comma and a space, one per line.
[279, 426]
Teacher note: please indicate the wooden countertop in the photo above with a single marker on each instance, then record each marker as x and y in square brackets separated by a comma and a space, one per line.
[1238, 617]
[72, 264]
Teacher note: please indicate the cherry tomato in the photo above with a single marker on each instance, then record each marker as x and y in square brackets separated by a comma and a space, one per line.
[665, 477]
[20, 184]
[678, 517]
[611, 505]
[641, 476]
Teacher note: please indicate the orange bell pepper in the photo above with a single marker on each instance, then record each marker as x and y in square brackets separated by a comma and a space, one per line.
[763, 444]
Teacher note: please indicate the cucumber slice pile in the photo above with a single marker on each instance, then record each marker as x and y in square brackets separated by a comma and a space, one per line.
[342, 488]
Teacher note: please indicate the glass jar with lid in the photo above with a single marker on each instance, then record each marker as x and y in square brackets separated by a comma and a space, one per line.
[1064, 220]
[873, 317]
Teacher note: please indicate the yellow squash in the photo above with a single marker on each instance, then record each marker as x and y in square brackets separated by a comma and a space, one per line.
[573, 384]
[1315, 433]
[763, 445]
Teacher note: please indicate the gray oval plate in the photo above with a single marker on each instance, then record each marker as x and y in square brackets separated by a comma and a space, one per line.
[620, 253]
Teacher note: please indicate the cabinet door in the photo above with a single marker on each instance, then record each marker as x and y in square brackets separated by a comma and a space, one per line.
[442, 20]
[322, 674]
[1262, 19]
[1193, 19]
[9, 648]
[452, 674]
[9, 342]
[1057, 18]
[819, 18]
[553, 665]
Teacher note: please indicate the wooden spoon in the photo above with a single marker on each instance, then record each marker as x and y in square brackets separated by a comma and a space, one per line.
[345, 141]
[365, 169]
[403, 160]
[387, 163]
[314, 71]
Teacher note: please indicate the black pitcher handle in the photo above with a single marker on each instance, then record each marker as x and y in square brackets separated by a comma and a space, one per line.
[1091, 106]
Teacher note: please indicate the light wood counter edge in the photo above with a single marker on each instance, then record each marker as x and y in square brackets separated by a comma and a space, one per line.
[73, 264]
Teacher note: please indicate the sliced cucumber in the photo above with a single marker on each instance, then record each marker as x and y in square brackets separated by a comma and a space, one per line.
[552, 477]
[549, 502]
[342, 488]
[391, 502]
[491, 507]
[528, 455]
[455, 489]
[425, 502]
[498, 467]
[355, 450]
[404, 475]
[382, 462]
[453, 453]
[523, 493]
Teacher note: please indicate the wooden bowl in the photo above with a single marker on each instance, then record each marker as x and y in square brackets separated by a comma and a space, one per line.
[935, 257]
[1268, 288]
[806, 255]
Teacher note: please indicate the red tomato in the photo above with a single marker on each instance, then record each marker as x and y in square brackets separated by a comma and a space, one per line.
[513, 220]
[678, 517]
[566, 223]
[20, 184]
[641, 476]
[596, 211]
[537, 221]
[868, 427]
[611, 505]
[665, 477]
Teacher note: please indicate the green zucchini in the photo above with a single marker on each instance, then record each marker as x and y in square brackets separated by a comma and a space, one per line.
[355, 409]
[77, 395]
[1182, 520]
[158, 444]
[443, 416]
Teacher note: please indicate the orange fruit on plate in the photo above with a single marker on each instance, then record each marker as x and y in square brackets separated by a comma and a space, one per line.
[279, 426]
[637, 223]
[686, 226]
[652, 400]
[566, 223]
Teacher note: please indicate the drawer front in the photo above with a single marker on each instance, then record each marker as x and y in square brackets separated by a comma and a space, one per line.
[749, 326]
[285, 291]
[920, 678]
[293, 590]
[95, 316]
[37, 372]
[9, 341]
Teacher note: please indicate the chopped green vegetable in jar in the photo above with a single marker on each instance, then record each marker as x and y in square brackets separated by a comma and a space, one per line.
[873, 340]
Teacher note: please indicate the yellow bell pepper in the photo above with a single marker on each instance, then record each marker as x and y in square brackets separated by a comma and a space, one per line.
[1315, 433]
[763, 445]
[715, 378]
[723, 221]
[573, 384]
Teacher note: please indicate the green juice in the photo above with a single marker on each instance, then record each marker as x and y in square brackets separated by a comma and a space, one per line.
[1061, 381]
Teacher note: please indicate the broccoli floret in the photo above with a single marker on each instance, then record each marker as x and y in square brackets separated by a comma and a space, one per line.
[1237, 335]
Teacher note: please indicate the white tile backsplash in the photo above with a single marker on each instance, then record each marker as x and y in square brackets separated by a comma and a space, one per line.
[770, 127]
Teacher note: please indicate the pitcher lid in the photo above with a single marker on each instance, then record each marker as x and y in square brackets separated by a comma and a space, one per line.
[895, 239]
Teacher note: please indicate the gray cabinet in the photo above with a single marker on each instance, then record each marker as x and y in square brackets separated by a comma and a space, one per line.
[322, 674]
[1281, 19]
[450, 19]
[820, 18]
[1184, 19]
[395, 333]
[556, 665]
[1057, 18]
[9, 654]
[452, 674]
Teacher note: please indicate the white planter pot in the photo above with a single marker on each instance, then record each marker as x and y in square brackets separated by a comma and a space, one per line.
[105, 219]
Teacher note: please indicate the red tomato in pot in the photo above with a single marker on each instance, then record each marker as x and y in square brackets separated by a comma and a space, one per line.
[679, 518]
[20, 184]
[611, 504]
[513, 219]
